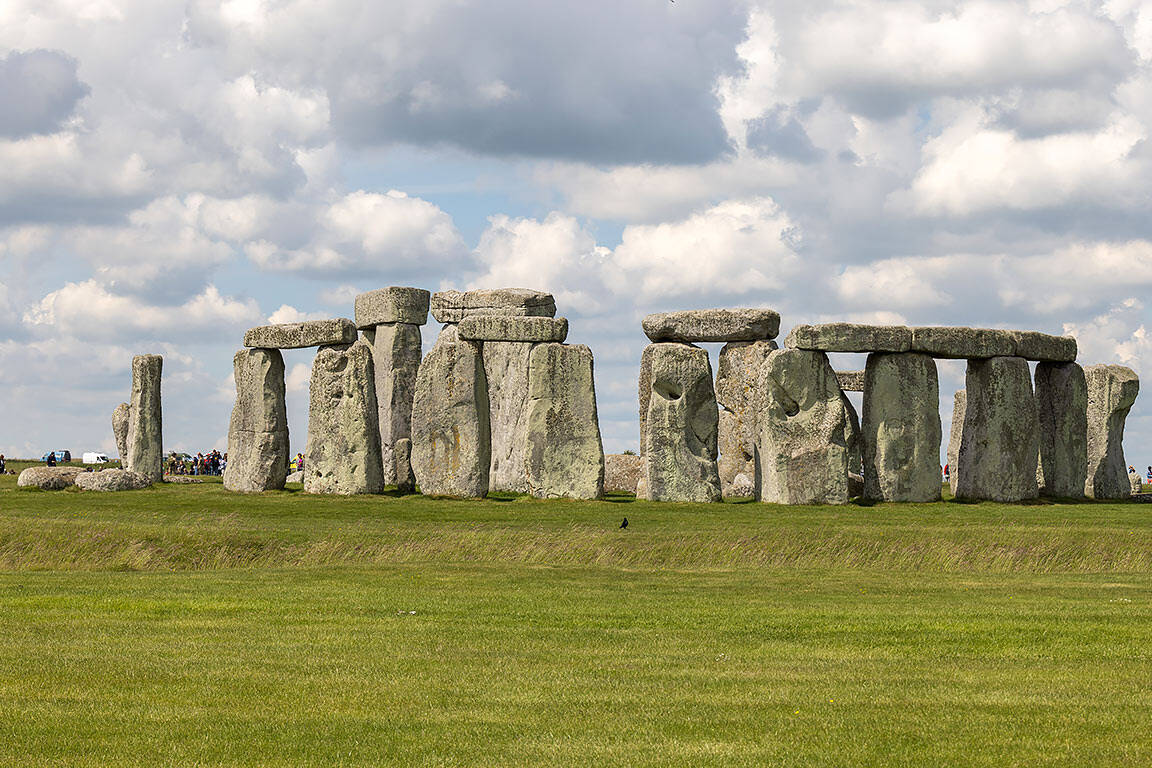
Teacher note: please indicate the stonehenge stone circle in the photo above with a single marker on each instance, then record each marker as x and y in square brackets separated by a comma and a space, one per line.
[112, 480]
[713, 325]
[395, 304]
[901, 428]
[258, 431]
[48, 478]
[1000, 442]
[343, 448]
[947, 342]
[565, 457]
[955, 436]
[680, 439]
[1041, 347]
[402, 465]
[396, 352]
[802, 451]
[454, 306]
[121, 417]
[513, 328]
[145, 419]
[451, 441]
[736, 379]
[1062, 410]
[622, 472]
[313, 333]
[853, 440]
[1112, 389]
[851, 381]
[506, 366]
[850, 337]
[963, 343]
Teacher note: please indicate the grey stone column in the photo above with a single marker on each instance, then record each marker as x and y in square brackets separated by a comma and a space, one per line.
[145, 420]
[736, 379]
[1000, 442]
[258, 430]
[955, 437]
[1062, 409]
[901, 428]
[1112, 389]
[121, 418]
[506, 366]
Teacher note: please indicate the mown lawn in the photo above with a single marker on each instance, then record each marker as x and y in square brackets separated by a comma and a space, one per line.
[187, 626]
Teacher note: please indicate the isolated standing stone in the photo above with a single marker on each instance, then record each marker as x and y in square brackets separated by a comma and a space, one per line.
[451, 442]
[622, 472]
[565, 457]
[901, 428]
[258, 431]
[145, 422]
[712, 325]
[802, 453]
[343, 449]
[506, 365]
[121, 417]
[396, 355]
[955, 437]
[737, 376]
[1000, 442]
[680, 447]
[1062, 410]
[1112, 389]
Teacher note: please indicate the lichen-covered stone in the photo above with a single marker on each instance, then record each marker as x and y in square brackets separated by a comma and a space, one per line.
[622, 472]
[112, 480]
[1000, 441]
[1031, 345]
[853, 437]
[712, 325]
[145, 419]
[402, 462]
[506, 366]
[343, 448]
[901, 428]
[121, 418]
[396, 352]
[565, 458]
[1062, 411]
[313, 333]
[513, 328]
[955, 437]
[258, 431]
[737, 376]
[954, 342]
[454, 306]
[851, 381]
[849, 337]
[48, 478]
[394, 304]
[680, 448]
[1112, 389]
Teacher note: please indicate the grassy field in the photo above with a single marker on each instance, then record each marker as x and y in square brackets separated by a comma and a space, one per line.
[183, 625]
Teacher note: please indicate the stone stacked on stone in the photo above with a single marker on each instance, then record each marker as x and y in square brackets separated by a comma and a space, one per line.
[948, 342]
[901, 428]
[454, 306]
[700, 325]
[1062, 410]
[959, 343]
[850, 337]
[394, 304]
[145, 419]
[1000, 441]
[736, 379]
[513, 328]
[313, 333]
[1112, 389]
[955, 437]
[258, 431]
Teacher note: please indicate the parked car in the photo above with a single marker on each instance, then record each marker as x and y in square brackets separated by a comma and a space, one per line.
[91, 457]
[60, 456]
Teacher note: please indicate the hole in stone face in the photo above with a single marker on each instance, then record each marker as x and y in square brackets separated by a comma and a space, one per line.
[669, 390]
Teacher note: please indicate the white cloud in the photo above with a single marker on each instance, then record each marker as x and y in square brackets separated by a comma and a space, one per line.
[289, 314]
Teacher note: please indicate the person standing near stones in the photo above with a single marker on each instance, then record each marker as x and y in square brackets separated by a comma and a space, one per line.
[51, 460]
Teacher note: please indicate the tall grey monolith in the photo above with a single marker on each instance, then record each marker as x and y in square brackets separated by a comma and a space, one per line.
[901, 427]
[145, 419]
[451, 441]
[1062, 411]
[258, 431]
[1112, 389]
[343, 448]
[802, 451]
[1000, 442]
[955, 436]
[736, 377]
[121, 417]
[680, 436]
[396, 356]
[506, 366]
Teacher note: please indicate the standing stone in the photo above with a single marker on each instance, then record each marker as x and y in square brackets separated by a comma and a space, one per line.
[1000, 442]
[565, 457]
[343, 449]
[395, 360]
[901, 428]
[955, 437]
[402, 456]
[258, 431]
[145, 421]
[736, 378]
[802, 453]
[121, 417]
[451, 441]
[622, 472]
[1062, 410]
[1112, 390]
[680, 447]
[506, 365]
[854, 441]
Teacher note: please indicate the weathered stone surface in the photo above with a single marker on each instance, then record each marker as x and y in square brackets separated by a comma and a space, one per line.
[513, 328]
[901, 428]
[956, 436]
[851, 381]
[644, 391]
[713, 325]
[565, 458]
[954, 342]
[855, 485]
[295, 477]
[48, 478]
[454, 306]
[737, 375]
[742, 487]
[121, 417]
[1061, 408]
[1112, 389]
[112, 480]
[853, 437]
[1000, 441]
[451, 441]
[849, 337]
[506, 366]
[680, 448]
[394, 304]
[622, 472]
[313, 333]
[342, 455]
[396, 352]
[258, 431]
[802, 453]
[190, 480]
[145, 419]
[1040, 346]
[1136, 483]
[402, 459]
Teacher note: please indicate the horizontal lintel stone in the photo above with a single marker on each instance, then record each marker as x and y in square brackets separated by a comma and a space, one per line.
[454, 306]
[313, 333]
[850, 337]
[960, 343]
[712, 325]
[513, 328]
[1045, 348]
[394, 304]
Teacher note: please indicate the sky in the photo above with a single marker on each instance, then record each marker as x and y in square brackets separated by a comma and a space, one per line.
[172, 173]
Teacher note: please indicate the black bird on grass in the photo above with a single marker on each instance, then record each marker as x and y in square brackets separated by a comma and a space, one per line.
[624, 524]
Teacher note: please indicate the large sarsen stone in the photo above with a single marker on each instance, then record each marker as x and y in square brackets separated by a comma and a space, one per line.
[1062, 410]
[145, 419]
[395, 304]
[313, 333]
[506, 365]
[454, 306]
[111, 480]
[396, 353]
[713, 325]
[953, 342]
[849, 337]
[1112, 389]
[513, 328]
[1000, 441]
[901, 428]
[121, 418]
[955, 437]
[48, 478]
[258, 431]
[737, 377]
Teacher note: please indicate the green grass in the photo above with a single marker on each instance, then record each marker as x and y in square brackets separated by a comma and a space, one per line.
[183, 625]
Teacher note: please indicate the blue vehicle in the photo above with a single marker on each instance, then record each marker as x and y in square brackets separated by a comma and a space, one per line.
[64, 456]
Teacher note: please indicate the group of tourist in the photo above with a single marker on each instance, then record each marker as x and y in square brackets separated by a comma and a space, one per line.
[211, 463]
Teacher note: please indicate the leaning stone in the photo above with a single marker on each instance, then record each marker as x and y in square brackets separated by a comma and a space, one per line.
[1062, 410]
[391, 305]
[713, 325]
[451, 441]
[1000, 442]
[121, 417]
[622, 472]
[1031, 345]
[901, 428]
[849, 337]
[145, 419]
[680, 448]
[402, 457]
[342, 455]
[955, 437]
[48, 478]
[565, 458]
[851, 381]
[802, 453]
[1112, 389]
[313, 333]
[959, 343]
[506, 365]
[736, 378]
[454, 306]
[512, 328]
[258, 431]
[396, 352]
[112, 480]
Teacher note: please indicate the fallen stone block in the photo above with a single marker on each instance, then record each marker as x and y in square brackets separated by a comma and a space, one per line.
[701, 325]
[512, 328]
[145, 419]
[394, 304]
[313, 333]
[48, 478]
[258, 430]
[112, 480]
[1112, 389]
[1062, 411]
[901, 428]
[1031, 345]
[849, 337]
[1000, 442]
[454, 306]
[622, 472]
[958, 343]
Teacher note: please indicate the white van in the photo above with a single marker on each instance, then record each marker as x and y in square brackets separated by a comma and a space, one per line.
[96, 458]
